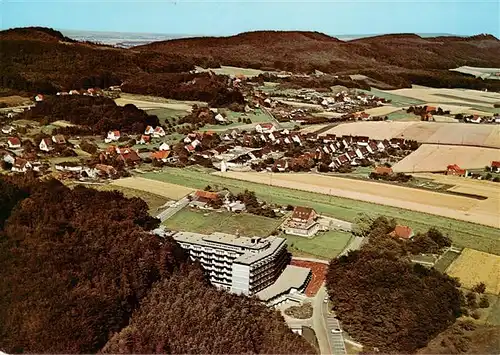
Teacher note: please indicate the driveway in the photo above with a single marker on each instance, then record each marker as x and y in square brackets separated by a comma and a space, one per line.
[170, 211]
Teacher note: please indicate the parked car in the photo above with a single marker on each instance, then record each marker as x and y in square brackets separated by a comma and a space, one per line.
[336, 330]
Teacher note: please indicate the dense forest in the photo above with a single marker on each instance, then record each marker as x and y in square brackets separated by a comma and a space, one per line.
[78, 265]
[95, 115]
[385, 301]
[29, 57]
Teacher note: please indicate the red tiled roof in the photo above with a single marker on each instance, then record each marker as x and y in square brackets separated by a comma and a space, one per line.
[430, 108]
[383, 170]
[14, 141]
[403, 232]
[303, 213]
[455, 168]
[495, 164]
[318, 275]
[162, 154]
[206, 194]
[267, 125]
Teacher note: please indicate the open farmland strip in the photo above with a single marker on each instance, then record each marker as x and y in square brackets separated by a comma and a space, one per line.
[462, 233]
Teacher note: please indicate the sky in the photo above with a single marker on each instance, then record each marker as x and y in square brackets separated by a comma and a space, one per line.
[224, 17]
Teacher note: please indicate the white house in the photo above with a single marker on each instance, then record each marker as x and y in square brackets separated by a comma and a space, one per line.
[296, 139]
[113, 136]
[7, 129]
[159, 132]
[164, 146]
[220, 118]
[265, 128]
[149, 130]
[195, 143]
[9, 158]
[14, 143]
[39, 98]
[45, 145]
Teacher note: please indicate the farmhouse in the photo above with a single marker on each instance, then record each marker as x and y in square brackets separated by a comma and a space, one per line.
[8, 157]
[161, 155]
[149, 130]
[21, 165]
[402, 232]
[265, 128]
[201, 198]
[164, 146]
[159, 132]
[58, 139]
[145, 139]
[105, 170]
[45, 145]
[7, 129]
[495, 166]
[113, 136]
[14, 143]
[455, 170]
[303, 222]
[383, 170]
[128, 155]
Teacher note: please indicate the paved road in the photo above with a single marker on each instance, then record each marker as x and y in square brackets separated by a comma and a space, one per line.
[169, 212]
[319, 323]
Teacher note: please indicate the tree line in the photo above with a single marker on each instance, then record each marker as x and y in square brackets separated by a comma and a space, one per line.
[81, 274]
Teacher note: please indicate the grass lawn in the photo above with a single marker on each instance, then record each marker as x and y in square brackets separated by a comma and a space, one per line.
[446, 260]
[402, 116]
[207, 222]
[167, 114]
[323, 246]
[462, 233]
[256, 116]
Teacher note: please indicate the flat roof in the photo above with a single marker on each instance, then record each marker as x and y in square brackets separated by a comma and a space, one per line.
[249, 258]
[222, 240]
[292, 277]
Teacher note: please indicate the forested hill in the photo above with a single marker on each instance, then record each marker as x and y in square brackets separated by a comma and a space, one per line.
[43, 60]
[79, 270]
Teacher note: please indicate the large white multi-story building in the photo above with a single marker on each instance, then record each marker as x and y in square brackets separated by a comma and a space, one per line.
[241, 265]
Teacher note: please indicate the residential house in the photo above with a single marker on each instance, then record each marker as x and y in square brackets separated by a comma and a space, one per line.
[201, 198]
[495, 166]
[128, 155]
[164, 146]
[430, 109]
[149, 130]
[383, 170]
[145, 139]
[159, 132]
[280, 165]
[342, 160]
[219, 118]
[372, 147]
[105, 170]
[328, 138]
[383, 145]
[8, 129]
[74, 92]
[302, 222]
[402, 232]
[113, 136]
[58, 139]
[296, 139]
[396, 142]
[189, 148]
[311, 137]
[236, 206]
[8, 157]
[161, 155]
[362, 141]
[265, 128]
[475, 119]
[454, 169]
[14, 143]
[21, 165]
[45, 145]
[39, 98]
[69, 166]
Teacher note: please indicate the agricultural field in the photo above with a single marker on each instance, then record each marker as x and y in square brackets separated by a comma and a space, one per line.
[460, 97]
[452, 206]
[326, 245]
[164, 189]
[207, 222]
[435, 158]
[473, 266]
[232, 71]
[483, 73]
[463, 234]
[256, 116]
[383, 110]
[396, 100]
[424, 132]
[15, 100]
[153, 102]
